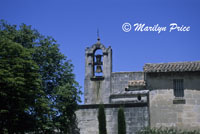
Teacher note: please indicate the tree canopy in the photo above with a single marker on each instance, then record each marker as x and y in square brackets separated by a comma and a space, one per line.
[38, 91]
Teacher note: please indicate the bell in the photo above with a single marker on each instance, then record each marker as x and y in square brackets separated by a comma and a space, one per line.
[98, 69]
[98, 59]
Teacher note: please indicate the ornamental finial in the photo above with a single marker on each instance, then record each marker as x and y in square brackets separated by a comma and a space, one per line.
[98, 38]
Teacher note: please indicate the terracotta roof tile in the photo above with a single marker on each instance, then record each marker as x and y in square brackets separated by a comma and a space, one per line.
[172, 67]
[136, 83]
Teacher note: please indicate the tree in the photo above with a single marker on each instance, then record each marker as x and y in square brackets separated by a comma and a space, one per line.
[102, 120]
[121, 122]
[56, 103]
[19, 86]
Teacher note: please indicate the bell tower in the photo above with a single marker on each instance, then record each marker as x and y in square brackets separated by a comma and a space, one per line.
[98, 69]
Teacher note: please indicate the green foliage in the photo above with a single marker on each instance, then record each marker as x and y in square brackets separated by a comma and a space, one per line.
[102, 120]
[121, 122]
[165, 131]
[37, 81]
[19, 86]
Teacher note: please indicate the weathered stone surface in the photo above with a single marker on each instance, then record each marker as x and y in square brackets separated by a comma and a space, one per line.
[136, 119]
[119, 80]
[140, 96]
[97, 89]
[163, 110]
[164, 113]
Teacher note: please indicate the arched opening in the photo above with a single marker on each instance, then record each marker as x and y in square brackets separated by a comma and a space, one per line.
[98, 63]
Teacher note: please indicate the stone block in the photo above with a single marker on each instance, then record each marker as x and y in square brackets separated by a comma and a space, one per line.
[190, 101]
[188, 96]
[198, 101]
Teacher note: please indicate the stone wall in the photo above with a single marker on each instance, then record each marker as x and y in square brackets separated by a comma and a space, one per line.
[119, 80]
[166, 114]
[165, 109]
[165, 80]
[136, 118]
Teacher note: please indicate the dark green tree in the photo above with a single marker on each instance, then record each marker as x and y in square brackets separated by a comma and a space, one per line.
[55, 107]
[102, 120]
[121, 122]
[20, 86]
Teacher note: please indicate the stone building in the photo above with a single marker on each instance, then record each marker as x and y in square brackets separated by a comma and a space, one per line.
[165, 94]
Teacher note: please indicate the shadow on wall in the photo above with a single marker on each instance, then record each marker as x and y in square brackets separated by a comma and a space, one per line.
[191, 80]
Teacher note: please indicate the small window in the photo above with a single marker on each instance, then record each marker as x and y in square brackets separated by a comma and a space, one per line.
[178, 87]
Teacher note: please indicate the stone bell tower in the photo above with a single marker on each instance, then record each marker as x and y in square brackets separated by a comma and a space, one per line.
[98, 69]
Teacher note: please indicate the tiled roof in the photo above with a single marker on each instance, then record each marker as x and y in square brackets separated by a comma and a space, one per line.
[173, 67]
[136, 83]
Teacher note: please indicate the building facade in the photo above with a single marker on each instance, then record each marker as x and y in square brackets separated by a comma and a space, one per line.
[174, 95]
[165, 94]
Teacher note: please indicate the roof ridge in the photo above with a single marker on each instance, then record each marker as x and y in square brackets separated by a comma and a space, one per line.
[172, 66]
[174, 62]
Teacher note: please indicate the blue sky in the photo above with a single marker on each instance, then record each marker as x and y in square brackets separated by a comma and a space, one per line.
[74, 25]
